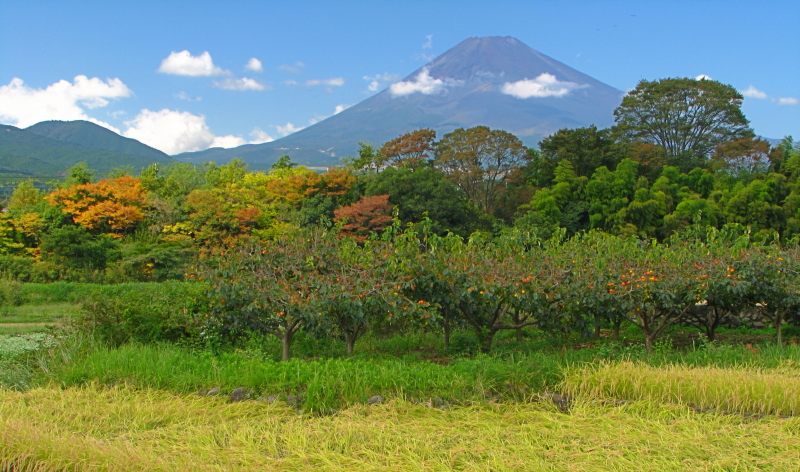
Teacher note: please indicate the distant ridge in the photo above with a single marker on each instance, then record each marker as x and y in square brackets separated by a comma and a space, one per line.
[471, 84]
[91, 135]
[25, 153]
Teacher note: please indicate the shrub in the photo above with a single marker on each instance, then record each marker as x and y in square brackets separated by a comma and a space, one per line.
[10, 292]
[143, 312]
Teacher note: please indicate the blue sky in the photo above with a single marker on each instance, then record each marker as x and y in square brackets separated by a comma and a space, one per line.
[314, 58]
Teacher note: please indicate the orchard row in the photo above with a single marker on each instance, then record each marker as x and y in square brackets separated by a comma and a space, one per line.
[329, 285]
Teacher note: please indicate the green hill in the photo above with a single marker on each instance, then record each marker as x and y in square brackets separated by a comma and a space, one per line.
[88, 134]
[31, 154]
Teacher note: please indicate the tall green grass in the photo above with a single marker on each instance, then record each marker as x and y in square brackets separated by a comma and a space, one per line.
[323, 384]
[76, 292]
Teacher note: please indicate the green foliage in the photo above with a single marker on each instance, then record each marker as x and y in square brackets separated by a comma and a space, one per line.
[422, 192]
[585, 149]
[74, 247]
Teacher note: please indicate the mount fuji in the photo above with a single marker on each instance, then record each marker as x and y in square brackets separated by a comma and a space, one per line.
[497, 82]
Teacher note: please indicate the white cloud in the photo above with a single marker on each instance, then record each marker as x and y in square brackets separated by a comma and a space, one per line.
[260, 136]
[254, 65]
[227, 142]
[752, 92]
[424, 84]
[183, 63]
[174, 132]
[231, 141]
[118, 113]
[295, 68]
[170, 131]
[788, 101]
[24, 106]
[429, 43]
[288, 129]
[240, 84]
[290, 82]
[375, 82]
[336, 111]
[335, 82]
[188, 98]
[545, 85]
[703, 77]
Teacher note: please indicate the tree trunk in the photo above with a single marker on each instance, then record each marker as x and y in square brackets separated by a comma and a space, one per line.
[486, 342]
[349, 341]
[617, 326]
[447, 330]
[596, 326]
[778, 328]
[286, 345]
[649, 341]
[515, 318]
[711, 324]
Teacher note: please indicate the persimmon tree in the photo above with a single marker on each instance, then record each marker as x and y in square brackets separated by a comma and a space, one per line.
[491, 285]
[774, 283]
[720, 290]
[594, 286]
[654, 283]
[354, 289]
[416, 277]
[265, 287]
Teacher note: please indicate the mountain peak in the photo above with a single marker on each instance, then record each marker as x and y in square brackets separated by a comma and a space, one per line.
[493, 81]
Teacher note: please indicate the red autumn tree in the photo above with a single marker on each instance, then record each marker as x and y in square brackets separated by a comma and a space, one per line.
[364, 217]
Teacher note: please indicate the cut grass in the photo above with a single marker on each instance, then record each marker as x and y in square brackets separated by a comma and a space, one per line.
[91, 428]
[39, 313]
[739, 390]
[23, 328]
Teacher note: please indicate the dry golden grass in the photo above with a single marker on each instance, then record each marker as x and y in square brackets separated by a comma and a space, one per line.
[741, 390]
[49, 429]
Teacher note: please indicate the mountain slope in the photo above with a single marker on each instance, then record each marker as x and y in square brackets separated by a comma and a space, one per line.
[23, 151]
[496, 81]
[16, 166]
[95, 136]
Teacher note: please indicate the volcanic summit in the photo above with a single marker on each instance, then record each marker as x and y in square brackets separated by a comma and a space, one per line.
[498, 82]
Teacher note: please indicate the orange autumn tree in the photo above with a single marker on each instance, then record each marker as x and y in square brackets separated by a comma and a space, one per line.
[368, 215]
[110, 205]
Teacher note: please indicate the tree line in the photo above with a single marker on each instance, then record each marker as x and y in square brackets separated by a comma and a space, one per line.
[681, 154]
